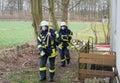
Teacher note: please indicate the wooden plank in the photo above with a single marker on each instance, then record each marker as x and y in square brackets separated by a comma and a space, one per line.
[108, 60]
[99, 62]
[86, 73]
[98, 56]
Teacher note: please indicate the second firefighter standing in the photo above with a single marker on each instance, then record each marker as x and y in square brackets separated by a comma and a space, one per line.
[65, 37]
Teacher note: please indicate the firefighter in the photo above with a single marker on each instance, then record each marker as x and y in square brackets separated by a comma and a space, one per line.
[47, 49]
[65, 38]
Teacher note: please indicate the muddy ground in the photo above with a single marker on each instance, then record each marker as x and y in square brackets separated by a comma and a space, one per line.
[24, 57]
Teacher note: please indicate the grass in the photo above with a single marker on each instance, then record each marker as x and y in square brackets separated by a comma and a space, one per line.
[25, 76]
[85, 34]
[32, 76]
[15, 33]
[77, 26]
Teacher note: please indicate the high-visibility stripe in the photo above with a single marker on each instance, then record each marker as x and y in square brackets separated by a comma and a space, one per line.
[63, 60]
[54, 53]
[39, 46]
[65, 39]
[42, 68]
[42, 53]
[44, 46]
[52, 42]
[70, 35]
[51, 70]
[39, 39]
[60, 45]
[68, 47]
[57, 35]
[67, 58]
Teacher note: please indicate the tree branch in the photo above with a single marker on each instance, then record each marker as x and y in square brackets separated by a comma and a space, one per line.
[75, 5]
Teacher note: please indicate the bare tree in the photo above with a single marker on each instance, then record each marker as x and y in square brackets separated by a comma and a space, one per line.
[20, 5]
[93, 27]
[52, 14]
[65, 5]
[108, 25]
[36, 10]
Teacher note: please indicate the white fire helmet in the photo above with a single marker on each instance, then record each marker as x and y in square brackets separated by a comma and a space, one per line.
[63, 23]
[44, 23]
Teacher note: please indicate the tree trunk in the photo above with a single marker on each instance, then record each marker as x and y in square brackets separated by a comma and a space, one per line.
[108, 25]
[94, 32]
[36, 10]
[105, 36]
[52, 14]
[65, 4]
[20, 5]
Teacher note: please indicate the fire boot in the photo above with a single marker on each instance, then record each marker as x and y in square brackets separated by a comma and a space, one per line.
[68, 61]
[43, 76]
[51, 77]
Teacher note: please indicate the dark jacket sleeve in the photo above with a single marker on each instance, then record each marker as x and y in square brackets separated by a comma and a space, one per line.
[55, 36]
[39, 43]
[70, 35]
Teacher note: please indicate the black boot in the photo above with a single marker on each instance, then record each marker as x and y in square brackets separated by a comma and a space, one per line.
[51, 77]
[63, 64]
[51, 80]
[42, 79]
[68, 61]
[43, 76]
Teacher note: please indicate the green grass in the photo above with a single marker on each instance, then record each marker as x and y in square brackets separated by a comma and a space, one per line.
[77, 26]
[15, 33]
[32, 76]
[25, 76]
[85, 34]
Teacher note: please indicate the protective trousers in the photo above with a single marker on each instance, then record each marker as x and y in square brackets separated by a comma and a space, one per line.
[42, 69]
[64, 55]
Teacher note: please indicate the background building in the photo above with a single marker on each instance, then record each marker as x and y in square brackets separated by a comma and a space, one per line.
[115, 30]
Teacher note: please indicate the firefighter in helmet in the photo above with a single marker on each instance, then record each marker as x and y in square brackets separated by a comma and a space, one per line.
[47, 49]
[65, 38]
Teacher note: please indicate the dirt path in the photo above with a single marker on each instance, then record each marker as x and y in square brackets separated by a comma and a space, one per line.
[25, 57]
